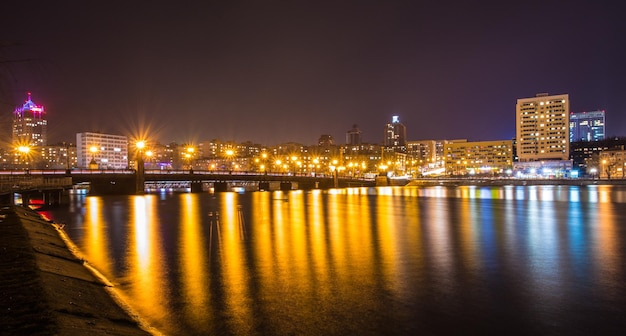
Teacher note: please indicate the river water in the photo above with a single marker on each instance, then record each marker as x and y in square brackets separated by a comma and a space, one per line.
[535, 260]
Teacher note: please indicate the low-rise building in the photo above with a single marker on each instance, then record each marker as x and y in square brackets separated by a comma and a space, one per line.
[479, 157]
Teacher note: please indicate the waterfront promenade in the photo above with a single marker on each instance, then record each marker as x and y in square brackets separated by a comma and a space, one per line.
[46, 290]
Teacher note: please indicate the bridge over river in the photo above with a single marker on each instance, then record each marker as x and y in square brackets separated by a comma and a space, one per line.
[131, 181]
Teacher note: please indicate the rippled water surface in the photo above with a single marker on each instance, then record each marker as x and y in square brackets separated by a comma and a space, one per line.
[428, 261]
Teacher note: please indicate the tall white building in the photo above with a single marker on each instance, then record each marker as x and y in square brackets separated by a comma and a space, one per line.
[107, 150]
[542, 124]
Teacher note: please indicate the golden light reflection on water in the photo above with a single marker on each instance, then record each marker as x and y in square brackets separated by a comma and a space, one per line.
[307, 257]
[193, 257]
[318, 243]
[359, 244]
[386, 247]
[471, 223]
[96, 238]
[336, 234]
[235, 273]
[297, 238]
[148, 290]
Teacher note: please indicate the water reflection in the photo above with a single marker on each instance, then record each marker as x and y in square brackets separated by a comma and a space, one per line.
[537, 259]
[97, 240]
[193, 260]
[147, 285]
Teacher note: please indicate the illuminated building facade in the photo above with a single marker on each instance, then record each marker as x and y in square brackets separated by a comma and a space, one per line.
[107, 150]
[612, 164]
[479, 157]
[395, 134]
[29, 125]
[586, 126]
[60, 156]
[585, 154]
[542, 128]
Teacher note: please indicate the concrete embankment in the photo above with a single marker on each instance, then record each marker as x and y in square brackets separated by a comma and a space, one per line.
[46, 290]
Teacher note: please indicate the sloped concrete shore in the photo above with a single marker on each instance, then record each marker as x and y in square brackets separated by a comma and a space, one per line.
[46, 290]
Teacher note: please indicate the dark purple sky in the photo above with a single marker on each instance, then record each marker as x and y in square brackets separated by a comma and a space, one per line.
[277, 71]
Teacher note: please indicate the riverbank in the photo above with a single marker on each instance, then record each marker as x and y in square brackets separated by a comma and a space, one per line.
[45, 289]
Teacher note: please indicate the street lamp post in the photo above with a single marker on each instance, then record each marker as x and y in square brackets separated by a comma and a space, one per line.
[139, 188]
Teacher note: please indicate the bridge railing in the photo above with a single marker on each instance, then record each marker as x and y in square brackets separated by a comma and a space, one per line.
[39, 172]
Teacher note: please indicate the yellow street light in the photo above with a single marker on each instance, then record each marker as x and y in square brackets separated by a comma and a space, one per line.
[93, 164]
[23, 153]
[141, 144]
[23, 149]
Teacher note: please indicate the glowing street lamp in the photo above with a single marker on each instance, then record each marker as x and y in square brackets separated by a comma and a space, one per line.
[23, 153]
[93, 164]
[189, 154]
[229, 158]
[23, 149]
[278, 162]
[149, 155]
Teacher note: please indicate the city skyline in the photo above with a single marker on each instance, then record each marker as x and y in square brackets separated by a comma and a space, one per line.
[291, 72]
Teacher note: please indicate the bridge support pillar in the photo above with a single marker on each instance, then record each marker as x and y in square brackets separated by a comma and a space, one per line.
[264, 186]
[52, 197]
[382, 181]
[196, 186]
[6, 199]
[285, 186]
[25, 199]
[46, 198]
[220, 186]
[140, 187]
[308, 185]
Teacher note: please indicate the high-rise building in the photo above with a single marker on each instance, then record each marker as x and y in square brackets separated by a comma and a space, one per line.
[353, 136]
[107, 151]
[29, 125]
[542, 124]
[586, 126]
[395, 134]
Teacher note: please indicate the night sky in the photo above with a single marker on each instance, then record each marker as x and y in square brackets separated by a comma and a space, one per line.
[278, 71]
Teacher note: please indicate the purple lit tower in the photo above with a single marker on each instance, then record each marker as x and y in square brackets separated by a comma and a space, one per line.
[29, 125]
